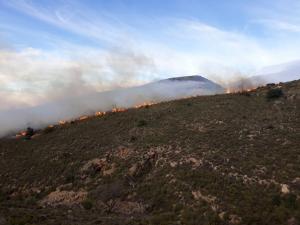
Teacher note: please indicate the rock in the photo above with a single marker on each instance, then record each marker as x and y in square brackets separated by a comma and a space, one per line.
[292, 221]
[196, 162]
[133, 169]
[123, 153]
[67, 198]
[129, 208]
[173, 164]
[296, 183]
[207, 198]
[285, 189]
[110, 171]
[94, 164]
[234, 219]
[221, 215]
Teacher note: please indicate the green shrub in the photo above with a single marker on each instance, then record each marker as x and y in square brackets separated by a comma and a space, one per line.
[274, 93]
[291, 201]
[22, 220]
[87, 204]
[141, 123]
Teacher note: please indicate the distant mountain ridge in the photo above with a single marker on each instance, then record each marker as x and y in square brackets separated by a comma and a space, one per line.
[203, 83]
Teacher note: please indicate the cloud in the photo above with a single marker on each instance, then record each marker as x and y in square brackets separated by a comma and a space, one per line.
[223, 46]
[282, 15]
[76, 18]
[280, 25]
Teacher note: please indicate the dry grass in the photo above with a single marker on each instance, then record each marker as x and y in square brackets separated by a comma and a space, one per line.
[224, 159]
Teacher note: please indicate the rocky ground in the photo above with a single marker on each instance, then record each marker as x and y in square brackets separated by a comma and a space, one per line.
[223, 159]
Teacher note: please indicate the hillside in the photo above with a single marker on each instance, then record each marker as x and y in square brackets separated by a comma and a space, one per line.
[222, 159]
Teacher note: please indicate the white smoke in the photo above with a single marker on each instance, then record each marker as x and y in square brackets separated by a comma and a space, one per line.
[39, 89]
[72, 107]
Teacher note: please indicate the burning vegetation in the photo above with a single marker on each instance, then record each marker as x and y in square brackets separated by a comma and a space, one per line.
[274, 91]
[27, 134]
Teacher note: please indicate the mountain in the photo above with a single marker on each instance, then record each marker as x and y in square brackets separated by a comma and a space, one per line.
[201, 83]
[73, 107]
[222, 159]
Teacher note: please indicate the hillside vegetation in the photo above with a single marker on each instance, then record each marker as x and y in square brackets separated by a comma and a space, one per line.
[223, 159]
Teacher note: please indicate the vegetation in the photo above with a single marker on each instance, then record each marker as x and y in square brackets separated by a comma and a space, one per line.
[274, 93]
[87, 204]
[141, 123]
[223, 159]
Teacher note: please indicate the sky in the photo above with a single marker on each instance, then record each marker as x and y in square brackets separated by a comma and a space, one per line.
[49, 49]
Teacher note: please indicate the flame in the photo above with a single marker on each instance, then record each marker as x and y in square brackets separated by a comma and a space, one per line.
[231, 91]
[100, 113]
[83, 117]
[118, 110]
[62, 122]
[145, 104]
[21, 134]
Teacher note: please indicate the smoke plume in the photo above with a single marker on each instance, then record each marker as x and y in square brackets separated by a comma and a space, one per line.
[38, 89]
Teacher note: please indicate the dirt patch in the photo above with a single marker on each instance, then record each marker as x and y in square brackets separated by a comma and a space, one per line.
[67, 198]
[129, 208]
[96, 164]
[124, 153]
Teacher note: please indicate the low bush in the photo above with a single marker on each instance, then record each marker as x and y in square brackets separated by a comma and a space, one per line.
[87, 204]
[48, 129]
[141, 123]
[274, 93]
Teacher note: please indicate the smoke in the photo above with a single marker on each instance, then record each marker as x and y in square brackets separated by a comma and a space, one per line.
[38, 89]
[31, 77]
[72, 107]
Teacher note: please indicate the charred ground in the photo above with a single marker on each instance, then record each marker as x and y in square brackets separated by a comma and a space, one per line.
[223, 159]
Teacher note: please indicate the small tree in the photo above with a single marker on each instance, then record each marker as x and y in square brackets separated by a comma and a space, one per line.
[274, 93]
[87, 204]
[141, 123]
[29, 133]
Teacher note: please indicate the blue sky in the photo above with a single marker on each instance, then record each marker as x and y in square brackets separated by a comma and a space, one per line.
[24, 21]
[104, 44]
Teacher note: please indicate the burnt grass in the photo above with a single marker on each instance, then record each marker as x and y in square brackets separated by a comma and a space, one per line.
[223, 159]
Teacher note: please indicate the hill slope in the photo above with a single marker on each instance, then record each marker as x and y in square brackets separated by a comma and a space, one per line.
[224, 159]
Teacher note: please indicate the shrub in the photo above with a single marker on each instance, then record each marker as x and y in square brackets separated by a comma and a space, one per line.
[22, 220]
[141, 123]
[48, 129]
[244, 93]
[29, 133]
[87, 204]
[291, 201]
[133, 139]
[274, 93]
[109, 194]
[276, 200]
